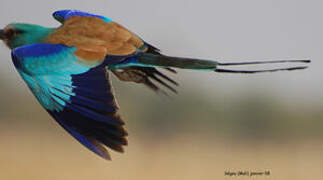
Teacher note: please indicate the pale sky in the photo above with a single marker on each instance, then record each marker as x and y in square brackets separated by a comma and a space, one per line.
[227, 30]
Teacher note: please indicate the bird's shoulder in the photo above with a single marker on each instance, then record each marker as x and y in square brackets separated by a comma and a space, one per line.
[94, 38]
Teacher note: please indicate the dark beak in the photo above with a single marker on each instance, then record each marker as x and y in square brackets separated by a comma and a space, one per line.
[1, 34]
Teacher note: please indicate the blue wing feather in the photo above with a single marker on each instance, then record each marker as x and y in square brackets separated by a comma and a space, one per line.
[98, 149]
[80, 98]
[62, 15]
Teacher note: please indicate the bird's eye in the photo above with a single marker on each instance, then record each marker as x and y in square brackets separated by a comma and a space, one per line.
[10, 33]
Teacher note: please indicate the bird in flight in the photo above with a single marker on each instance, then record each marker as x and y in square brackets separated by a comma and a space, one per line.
[67, 69]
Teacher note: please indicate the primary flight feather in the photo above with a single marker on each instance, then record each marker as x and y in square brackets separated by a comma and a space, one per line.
[67, 68]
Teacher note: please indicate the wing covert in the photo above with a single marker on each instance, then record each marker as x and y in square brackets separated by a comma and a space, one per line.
[63, 15]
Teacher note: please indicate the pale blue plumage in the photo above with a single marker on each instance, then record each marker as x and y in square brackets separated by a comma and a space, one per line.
[32, 34]
[49, 72]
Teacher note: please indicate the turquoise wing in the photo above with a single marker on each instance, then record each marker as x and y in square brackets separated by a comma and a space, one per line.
[62, 15]
[78, 97]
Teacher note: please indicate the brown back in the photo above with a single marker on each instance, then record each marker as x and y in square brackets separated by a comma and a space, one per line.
[94, 38]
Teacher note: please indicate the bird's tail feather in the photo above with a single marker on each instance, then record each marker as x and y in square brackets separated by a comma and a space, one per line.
[147, 59]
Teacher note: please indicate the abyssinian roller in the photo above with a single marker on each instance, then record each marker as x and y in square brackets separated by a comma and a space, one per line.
[67, 69]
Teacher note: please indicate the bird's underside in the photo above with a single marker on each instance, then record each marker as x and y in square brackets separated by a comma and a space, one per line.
[147, 76]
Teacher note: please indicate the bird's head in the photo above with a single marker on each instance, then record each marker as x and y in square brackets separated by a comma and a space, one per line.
[18, 34]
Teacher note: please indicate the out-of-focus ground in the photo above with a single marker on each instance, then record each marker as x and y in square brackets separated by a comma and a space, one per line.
[186, 137]
[39, 155]
[218, 123]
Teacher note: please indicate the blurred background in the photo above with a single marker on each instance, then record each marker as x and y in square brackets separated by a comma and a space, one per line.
[218, 122]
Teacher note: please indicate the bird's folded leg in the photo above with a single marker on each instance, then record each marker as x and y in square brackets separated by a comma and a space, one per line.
[129, 74]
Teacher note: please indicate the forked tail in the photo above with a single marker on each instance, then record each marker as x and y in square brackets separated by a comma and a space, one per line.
[144, 65]
[153, 60]
[146, 59]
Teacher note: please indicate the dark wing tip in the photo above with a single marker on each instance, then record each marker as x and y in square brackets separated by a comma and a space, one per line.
[101, 150]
